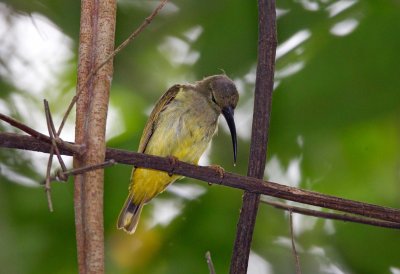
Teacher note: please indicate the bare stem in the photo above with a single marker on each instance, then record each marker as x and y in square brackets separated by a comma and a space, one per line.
[49, 119]
[24, 128]
[75, 149]
[48, 182]
[295, 254]
[70, 106]
[210, 263]
[53, 134]
[63, 175]
[131, 37]
[332, 216]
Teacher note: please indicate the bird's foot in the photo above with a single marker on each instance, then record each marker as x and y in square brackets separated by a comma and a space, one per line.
[172, 162]
[219, 169]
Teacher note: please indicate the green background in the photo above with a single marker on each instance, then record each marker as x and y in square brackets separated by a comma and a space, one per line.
[334, 129]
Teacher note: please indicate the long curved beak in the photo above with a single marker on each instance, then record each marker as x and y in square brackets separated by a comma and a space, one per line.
[228, 114]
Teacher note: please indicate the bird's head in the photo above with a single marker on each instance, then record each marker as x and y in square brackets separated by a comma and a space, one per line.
[223, 96]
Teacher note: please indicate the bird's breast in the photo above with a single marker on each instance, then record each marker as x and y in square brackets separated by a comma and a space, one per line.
[184, 128]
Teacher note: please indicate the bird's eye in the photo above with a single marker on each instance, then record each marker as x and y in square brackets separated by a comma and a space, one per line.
[213, 98]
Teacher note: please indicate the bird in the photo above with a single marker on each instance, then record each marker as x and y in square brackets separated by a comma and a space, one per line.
[181, 126]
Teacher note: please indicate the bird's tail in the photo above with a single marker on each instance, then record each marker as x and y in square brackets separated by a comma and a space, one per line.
[129, 216]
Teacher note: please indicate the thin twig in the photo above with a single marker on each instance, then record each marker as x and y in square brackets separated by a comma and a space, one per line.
[70, 106]
[53, 134]
[210, 263]
[50, 161]
[133, 35]
[49, 119]
[74, 148]
[295, 254]
[63, 175]
[332, 216]
[51, 129]
[24, 128]
[60, 160]
[48, 182]
[210, 175]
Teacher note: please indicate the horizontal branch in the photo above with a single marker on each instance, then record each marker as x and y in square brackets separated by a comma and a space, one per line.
[330, 215]
[208, 174]
[70, 147]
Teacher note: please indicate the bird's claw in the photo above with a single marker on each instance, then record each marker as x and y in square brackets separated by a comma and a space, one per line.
[172, 162]
[219, 169]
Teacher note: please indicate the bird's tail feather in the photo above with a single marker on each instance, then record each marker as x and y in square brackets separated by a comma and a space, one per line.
[129, 216]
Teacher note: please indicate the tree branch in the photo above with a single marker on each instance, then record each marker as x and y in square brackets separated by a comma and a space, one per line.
[62, 176]
[259, 137]
[39, 136]
[210, 263]
[332, 216]
[295, 254]
[209, 174]
[131, 37]
[24, 127]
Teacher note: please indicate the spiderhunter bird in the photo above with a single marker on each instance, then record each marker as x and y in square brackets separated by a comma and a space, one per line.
[181, 126]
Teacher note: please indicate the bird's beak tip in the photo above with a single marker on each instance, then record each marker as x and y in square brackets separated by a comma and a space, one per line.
[228, 114]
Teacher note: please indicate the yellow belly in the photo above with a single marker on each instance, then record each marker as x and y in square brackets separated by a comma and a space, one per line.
[148, 183]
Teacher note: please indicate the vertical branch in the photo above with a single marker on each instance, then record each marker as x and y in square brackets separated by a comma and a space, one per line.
[295, 254]
[210, 263]
[84, 67]
[259, 138]
[96, 42]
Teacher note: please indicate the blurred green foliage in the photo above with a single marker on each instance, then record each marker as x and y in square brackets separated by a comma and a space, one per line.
[334, 129]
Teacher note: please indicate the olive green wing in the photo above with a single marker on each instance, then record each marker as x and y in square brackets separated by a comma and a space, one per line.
[167, 97]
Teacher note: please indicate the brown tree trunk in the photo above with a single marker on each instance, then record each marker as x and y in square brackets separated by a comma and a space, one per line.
[96, 43]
